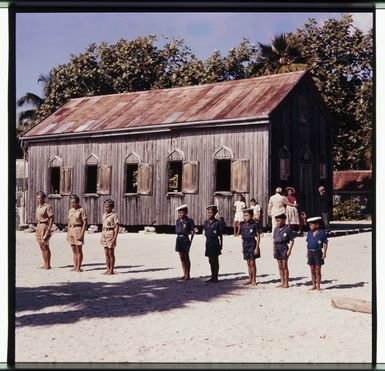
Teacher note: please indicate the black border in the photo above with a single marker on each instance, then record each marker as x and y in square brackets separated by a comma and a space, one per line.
[170, 6]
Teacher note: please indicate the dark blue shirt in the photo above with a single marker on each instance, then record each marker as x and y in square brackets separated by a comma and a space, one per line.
[184, 226]
[249, 230]
[316, 242]
[282, 236]
[213, 228]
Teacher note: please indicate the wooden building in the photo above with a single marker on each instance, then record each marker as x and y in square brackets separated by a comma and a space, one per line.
[151, 151]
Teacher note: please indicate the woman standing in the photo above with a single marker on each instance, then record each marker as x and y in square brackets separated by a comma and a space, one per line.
[292, 209]
[239, 206]
[77, 224]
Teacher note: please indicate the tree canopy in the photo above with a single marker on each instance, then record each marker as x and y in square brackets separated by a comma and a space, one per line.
[338, 55]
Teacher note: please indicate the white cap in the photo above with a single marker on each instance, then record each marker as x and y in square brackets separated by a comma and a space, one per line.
[182, 207]
[314, 219]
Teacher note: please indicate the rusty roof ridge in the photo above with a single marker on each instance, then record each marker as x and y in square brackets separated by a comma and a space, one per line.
[299, 73]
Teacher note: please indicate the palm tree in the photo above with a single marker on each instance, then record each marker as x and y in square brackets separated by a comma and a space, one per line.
[282, 55]
[27, 117]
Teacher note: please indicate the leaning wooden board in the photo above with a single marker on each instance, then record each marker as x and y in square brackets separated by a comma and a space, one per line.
[355, 305]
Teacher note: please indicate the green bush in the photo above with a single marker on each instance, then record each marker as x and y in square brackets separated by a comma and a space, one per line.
[346, 210]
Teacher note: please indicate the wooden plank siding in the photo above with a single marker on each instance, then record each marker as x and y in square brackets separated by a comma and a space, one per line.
[249, 142]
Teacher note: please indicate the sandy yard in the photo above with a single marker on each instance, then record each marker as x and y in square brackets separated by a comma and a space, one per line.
[143, 314]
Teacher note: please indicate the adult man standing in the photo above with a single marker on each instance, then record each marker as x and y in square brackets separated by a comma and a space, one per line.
[325, 207]
[277, 204]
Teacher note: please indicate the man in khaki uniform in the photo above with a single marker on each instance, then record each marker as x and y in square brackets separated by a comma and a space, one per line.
[277, 204]
[109, 235]
[77, 224]
[44, 219]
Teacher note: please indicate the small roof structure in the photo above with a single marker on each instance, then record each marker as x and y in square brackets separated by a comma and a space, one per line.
[352, 180]
[252, 98]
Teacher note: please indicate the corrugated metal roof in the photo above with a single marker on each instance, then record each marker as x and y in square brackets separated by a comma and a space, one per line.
[229, 100]
[352, 180]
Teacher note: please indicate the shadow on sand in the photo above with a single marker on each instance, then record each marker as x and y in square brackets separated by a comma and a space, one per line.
[132, 297]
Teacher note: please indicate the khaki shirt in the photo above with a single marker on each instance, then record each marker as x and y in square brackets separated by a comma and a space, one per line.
[43, 212]
[76, 216]
[277, 205]
[110, 220]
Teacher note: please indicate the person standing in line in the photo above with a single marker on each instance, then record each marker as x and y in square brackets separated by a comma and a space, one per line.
[325, 207]
[44, 219]
[250, 245]
[77, 224]
[283, 243]
[317, 245]
[292, 209]
[239, 206]
[213, 229]
[277, 204]
[110, 230]
[184, 226]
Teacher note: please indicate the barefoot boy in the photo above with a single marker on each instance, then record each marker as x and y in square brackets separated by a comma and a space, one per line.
[316, 241]
[109, 235]
[184, 226]
[213, 229]
[250, 244]
[282, 236]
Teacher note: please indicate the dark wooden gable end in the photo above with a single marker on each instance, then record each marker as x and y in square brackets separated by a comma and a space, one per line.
[301, 145]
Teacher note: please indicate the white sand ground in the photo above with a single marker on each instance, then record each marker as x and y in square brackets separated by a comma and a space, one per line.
[143, 314]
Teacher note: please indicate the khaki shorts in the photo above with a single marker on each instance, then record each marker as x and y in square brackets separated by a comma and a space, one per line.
[72, 236]
[106, 239]
[41, 230]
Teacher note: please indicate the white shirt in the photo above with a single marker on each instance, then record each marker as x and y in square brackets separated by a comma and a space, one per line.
[277, 205]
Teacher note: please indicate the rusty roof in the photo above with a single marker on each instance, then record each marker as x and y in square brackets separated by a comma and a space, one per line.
[229, 100]
[352, 180]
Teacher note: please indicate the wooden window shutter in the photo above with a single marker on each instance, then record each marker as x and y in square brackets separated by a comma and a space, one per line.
[145, 179]
[103, 185]
[66, 180]
[240, 176]
[190, 177]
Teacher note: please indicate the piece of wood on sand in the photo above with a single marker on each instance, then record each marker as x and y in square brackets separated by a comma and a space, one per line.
[355, 305]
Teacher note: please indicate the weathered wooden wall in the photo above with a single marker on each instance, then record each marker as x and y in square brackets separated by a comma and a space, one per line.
[313, 131]
[247, 142]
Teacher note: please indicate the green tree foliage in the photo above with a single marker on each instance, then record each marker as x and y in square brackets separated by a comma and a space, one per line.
[342, 58]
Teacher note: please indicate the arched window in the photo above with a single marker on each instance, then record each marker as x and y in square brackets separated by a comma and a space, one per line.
[54, 175]
[131, 166]
[222, 158]
[323, 166]
[284, 163]
[92, 163]
[175, 170]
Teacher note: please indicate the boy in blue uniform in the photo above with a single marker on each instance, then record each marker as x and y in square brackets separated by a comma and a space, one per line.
[283, 243]
[184, 226]
[250, 244]
[316, 241]
[213, 229]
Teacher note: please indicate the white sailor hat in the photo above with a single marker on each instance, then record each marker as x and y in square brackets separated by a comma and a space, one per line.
[182, 207]
[315, 219]
[280, 216]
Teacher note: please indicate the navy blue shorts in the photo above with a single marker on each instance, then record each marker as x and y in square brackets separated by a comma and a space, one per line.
[280, 252]
[315, 257]
[248, 250]
[213, 247]
[182, 244]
